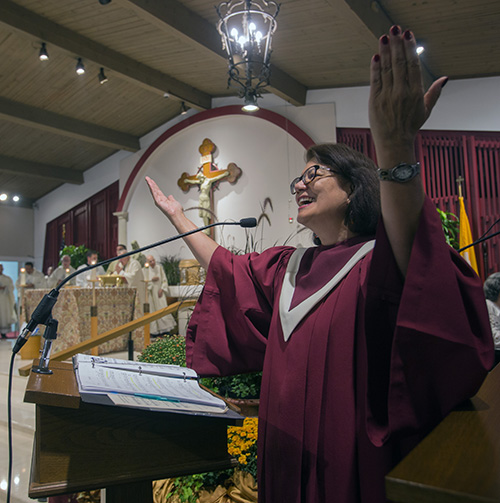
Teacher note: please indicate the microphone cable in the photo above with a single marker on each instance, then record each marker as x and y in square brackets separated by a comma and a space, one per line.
[9, 425]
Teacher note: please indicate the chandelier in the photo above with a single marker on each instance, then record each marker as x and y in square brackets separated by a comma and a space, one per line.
[246, 28]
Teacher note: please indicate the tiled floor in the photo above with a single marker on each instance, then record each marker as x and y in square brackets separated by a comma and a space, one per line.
[23, 420]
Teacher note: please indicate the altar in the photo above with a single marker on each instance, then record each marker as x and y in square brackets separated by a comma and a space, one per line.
[115, 307]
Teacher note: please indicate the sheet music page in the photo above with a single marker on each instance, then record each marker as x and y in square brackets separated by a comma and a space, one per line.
[100, 375]
[162, 405]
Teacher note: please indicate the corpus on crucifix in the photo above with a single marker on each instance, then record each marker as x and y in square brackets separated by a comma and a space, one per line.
[207, 177]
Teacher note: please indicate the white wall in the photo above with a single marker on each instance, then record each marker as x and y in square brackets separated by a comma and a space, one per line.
[468, 105]
[269, 158]
[464, 105]
[16, 229]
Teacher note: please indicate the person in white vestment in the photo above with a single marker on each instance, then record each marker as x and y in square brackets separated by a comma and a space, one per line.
[158, 289]
[111, 267]
[131, 270]
[33, 278]
[83, 279]
[492, 294]
[59, 273]
[7, 303]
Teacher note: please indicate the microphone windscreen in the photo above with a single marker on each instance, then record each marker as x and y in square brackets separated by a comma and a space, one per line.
[248, 222]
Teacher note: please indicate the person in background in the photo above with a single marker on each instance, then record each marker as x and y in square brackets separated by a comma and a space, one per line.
[83, 280]
[7, 304]
[34, 278]
[158, 289]
[365, 345]
[492, 294]
[110, 269]
[65, 269]
[131, 270]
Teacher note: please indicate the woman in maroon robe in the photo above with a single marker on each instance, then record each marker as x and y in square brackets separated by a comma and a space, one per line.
[364, 347]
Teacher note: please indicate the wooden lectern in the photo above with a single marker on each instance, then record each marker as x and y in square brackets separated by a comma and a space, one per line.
[459, 461]
[80, 446]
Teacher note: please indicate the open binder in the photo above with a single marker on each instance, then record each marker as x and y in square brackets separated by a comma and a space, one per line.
[163, 388]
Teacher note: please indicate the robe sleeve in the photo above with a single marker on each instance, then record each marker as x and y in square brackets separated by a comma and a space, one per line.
[428, 340]
[228, 330]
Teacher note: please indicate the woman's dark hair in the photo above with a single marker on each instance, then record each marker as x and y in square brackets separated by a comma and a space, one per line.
[360, 173]
[492, 286]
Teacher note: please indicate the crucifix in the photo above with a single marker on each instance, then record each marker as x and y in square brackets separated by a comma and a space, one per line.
[207, 178]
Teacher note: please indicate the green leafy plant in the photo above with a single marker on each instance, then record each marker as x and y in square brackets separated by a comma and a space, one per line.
[170, 264]
[451, 225]
[78, 254]
[241, 439]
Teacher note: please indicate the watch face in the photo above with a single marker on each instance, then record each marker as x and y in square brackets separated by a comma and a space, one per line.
[403, 173]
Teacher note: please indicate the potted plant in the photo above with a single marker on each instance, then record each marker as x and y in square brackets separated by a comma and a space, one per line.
[242, 440]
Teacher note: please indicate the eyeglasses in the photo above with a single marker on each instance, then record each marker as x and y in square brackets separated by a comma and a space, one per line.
[308, 176]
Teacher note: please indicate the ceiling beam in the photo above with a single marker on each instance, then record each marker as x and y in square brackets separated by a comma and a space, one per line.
[378, 21]
[66, 126]
[40, 170]
[21, 19]
[189, 25]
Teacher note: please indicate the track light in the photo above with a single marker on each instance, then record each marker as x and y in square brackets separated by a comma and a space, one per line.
[3, 197]
[80, 68]
[43, 55]
[102, 77]
[184, 108]
[16, 199]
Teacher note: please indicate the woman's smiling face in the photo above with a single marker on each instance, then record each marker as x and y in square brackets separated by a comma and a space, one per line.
[323, 201]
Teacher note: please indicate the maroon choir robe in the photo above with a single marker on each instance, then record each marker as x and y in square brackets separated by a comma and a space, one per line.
[367, 372]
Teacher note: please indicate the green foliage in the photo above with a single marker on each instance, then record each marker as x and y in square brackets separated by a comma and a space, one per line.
[170, 265]
[450, 224]
[172, 350]
[78, 254]
[169, 350]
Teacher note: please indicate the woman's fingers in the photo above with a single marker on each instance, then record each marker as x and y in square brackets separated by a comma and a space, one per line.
[385, 62]
[433, 94]
[397, 59]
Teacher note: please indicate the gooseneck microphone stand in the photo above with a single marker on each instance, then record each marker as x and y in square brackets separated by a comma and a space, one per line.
[42, 315]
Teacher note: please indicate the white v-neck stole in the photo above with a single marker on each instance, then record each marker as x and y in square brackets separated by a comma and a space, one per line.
[290, 318]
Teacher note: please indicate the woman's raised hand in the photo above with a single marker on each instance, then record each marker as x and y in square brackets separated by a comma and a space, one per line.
[398, 105]
[167, 204]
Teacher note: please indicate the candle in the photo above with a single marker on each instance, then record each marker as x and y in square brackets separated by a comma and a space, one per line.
[23, 276]
[93, 272]
[146, 271]
[67, 273]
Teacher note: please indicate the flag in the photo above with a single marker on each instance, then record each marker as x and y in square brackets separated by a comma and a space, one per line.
[465, 237]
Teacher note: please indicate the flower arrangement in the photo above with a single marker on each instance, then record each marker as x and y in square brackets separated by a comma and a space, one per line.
[242, 440]
[242, 444]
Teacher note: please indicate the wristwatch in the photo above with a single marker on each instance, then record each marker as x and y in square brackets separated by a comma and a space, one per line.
[401, 173]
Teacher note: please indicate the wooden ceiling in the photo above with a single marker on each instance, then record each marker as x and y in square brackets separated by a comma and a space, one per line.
[54, 124]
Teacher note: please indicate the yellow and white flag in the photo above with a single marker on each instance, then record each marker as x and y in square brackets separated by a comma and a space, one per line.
[465, 237]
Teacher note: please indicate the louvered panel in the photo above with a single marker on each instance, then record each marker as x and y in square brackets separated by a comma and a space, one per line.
[487, 155]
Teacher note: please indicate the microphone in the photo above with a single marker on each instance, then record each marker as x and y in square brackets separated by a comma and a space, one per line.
[40, 315]
[43, 312]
